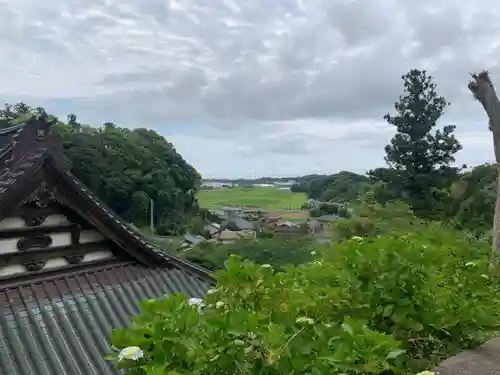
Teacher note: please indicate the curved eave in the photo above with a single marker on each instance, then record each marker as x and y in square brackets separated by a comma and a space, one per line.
[10, 129]
[5, 139]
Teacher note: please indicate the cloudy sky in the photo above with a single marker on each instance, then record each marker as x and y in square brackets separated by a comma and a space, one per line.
[251, 87]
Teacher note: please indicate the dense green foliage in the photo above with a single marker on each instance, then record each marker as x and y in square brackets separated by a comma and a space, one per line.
[278, 251]
[474, 198]
[385, 303]
[373, 219]
[125, 168]
[339, 209]
[340, 187]
[419, 158]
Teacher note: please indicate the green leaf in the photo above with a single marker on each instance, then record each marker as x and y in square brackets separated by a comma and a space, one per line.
[155, 369]
[388, 310]
[395, 353]
[347, 328]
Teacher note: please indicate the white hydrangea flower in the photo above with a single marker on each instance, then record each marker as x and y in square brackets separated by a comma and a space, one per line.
[196, 302]
[219, 304]
[357, 238]
[132, 352]
[304, 320]
[313, 253]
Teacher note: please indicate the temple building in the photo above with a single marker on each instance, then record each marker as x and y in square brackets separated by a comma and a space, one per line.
[70, 269]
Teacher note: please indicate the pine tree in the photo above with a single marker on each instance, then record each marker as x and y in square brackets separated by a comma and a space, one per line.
[419, 156]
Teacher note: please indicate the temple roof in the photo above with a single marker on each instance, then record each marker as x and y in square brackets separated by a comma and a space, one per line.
[58, 322]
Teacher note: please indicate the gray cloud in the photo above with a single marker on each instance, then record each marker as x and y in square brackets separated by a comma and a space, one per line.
[242, 66]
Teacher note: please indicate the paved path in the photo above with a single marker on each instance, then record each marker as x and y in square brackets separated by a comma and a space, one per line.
[484, 360]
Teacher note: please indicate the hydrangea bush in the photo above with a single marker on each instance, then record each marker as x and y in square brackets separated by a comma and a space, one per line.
[386, 305]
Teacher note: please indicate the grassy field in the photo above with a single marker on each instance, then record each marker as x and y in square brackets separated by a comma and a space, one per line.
[267, 199]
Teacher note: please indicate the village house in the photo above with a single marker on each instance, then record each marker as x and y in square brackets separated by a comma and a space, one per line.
[218, 214]
[70, 269]
[228, 236]
[190, 241]
[288, 227]
[322, 223]
[236, 223]
[212, 229]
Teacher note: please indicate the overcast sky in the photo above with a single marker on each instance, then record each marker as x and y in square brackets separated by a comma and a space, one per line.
[251, 87]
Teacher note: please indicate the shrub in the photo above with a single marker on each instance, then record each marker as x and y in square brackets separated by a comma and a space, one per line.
[375, 219]
[357, 227]
[431, 290]
[306, 206]
[265, 233]
[278, 251]
[315, 212]
[388, 304]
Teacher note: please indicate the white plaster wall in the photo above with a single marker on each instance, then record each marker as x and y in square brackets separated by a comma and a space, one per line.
[56, 262]
[18, 222]
[96, 255]
[12, 222]
[11, 270]
[60, 239]
[87, 236]
[9, 245]
[56, 220]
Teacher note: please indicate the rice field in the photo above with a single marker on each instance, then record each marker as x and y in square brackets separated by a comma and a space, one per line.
[265, 198]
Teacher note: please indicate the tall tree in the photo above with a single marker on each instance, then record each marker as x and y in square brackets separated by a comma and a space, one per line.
[419, 157]
[483, 90]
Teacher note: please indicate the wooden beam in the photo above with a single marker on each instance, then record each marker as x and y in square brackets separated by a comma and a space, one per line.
[51, 274]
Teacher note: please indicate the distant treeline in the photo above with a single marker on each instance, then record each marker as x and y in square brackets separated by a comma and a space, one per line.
[249, 181]
[338, 187]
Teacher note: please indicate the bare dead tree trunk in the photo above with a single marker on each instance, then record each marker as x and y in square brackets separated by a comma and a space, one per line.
[484, 91]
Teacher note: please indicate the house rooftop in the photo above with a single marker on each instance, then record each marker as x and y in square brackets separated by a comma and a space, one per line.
[327, 218]
[238, 222]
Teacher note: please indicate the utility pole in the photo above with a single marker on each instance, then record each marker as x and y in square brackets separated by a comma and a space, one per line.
[151, 215]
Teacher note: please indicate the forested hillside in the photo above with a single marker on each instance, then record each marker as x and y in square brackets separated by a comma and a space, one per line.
[338, 187]
[126, 168]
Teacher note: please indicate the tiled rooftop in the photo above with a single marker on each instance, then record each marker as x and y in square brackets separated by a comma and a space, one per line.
[66, 333]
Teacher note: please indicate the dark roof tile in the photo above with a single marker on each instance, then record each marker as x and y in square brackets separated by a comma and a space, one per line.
[61, 326]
